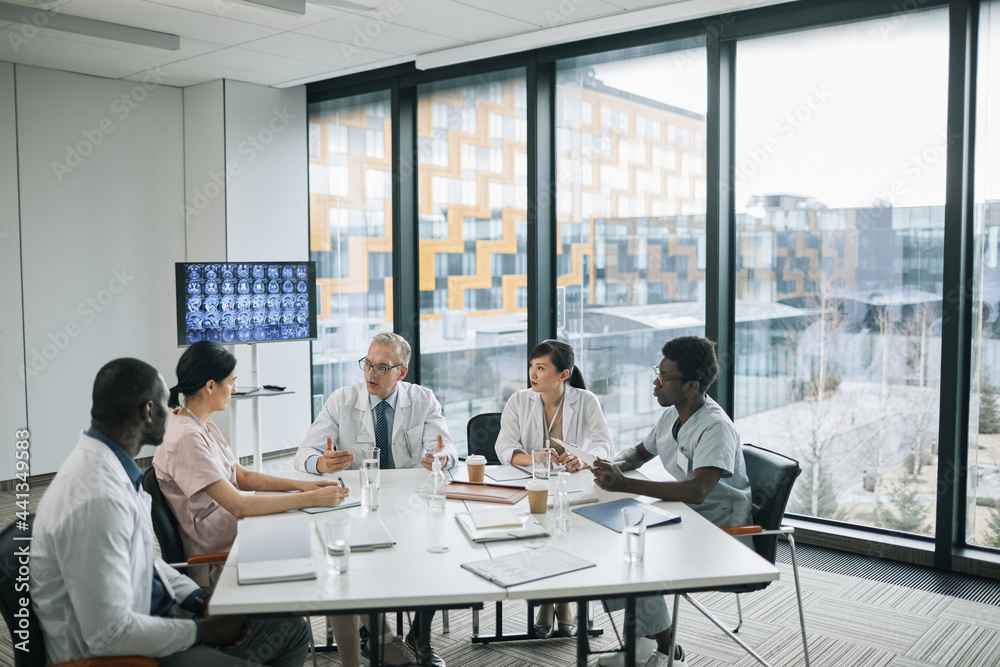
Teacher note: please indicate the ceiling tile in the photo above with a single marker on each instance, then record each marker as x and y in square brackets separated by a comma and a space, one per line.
[189, 47]
[364, 31]
[313, 49]
[265, 64]
[547, 13]
[461, 22]
[269, 18]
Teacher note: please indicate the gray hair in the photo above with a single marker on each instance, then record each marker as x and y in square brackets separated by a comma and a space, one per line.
[390, 338]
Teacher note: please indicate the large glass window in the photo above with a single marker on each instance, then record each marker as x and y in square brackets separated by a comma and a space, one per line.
[473, 196]
[630, 143]
[350, 233]
[983, 510]
[840, 187]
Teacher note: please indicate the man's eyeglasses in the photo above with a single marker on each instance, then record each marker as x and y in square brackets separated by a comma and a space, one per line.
[656, 371]
[380, 369]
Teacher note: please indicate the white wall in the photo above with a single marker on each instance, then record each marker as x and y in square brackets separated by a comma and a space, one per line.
[13, 411]
[97, 182]
[267, 214]
[101, 171]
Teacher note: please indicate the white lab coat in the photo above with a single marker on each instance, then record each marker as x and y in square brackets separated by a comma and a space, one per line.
[347, 418]
[522, 424]
[92, 563]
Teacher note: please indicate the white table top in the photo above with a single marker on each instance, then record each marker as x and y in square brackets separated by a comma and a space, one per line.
[691, 555]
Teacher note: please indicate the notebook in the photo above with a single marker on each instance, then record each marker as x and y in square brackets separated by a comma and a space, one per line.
[486, 493]
[528, 565]
[274, 548]
[532, 528]
[610, 514]
[367, 534]
[349, 501]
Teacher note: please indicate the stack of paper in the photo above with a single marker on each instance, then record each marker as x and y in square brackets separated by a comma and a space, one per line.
[495, 518]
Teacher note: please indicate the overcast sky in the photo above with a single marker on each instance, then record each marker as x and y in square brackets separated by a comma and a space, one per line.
[845, 114]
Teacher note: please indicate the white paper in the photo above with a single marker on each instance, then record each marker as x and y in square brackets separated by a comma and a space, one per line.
[584, 457]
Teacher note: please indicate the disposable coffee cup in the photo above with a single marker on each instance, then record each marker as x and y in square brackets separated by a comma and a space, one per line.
[477, 468]
[538, 496]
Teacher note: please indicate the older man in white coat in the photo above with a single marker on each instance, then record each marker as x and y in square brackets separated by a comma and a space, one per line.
[403, 420]
[350, 420]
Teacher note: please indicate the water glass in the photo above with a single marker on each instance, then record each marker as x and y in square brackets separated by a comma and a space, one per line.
[370, 481]
[337, 534]
[541, 463]
[634, 530]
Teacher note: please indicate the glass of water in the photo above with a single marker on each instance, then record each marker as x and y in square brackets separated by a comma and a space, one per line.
[541, 463]
[337, 533]
[370, 480]
[634, 530]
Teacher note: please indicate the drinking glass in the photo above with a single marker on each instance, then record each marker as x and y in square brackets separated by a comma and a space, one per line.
[634, 530]
[371, 477]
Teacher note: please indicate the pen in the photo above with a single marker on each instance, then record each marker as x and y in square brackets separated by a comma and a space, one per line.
[341, 480]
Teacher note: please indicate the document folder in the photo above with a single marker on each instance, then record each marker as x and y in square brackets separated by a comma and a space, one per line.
[610, 514]
[275, 548]
[525, 566]
[486, 493]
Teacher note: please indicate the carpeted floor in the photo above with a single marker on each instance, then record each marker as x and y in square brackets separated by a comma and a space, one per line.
[851, 622]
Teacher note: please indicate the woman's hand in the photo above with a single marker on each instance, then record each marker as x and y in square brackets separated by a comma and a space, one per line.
[312, 486]
[571, 461]
[329, 495]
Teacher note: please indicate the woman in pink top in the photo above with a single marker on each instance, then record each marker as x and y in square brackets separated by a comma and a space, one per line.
[201, 478]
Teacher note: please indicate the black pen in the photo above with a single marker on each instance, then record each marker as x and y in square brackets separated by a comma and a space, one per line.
[341, 480]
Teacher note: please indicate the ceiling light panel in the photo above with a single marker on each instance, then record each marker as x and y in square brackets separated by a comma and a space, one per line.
[238, 11]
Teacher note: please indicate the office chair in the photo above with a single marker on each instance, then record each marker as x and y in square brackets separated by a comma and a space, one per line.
[167, 530]
[34, 655]
[772, 476]
[481, 433]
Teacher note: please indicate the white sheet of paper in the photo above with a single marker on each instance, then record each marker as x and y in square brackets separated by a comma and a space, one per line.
[585, 457]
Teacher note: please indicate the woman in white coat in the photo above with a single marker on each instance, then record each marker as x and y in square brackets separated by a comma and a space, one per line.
[557, 406]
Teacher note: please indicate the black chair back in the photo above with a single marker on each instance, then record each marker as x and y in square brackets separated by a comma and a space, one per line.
[482, 431]
[165, 525]
[772, 476]
[29, 635]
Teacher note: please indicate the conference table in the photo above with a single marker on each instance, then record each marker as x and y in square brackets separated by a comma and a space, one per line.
[418, 574]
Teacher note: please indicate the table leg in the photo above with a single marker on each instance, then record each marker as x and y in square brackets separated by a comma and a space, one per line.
[582, 635]
[374, 646]
[629, 631]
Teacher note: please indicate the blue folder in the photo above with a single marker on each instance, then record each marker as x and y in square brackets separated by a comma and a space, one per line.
[610, 513]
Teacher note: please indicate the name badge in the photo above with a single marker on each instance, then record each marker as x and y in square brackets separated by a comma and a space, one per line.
[365, 438]
[682, 460]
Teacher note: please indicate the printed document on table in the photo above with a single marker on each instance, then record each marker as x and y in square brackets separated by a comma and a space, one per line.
[525, 566]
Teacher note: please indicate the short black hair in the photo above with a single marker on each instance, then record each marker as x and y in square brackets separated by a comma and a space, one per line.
[695, 359]
[121, 387]
[200, 363]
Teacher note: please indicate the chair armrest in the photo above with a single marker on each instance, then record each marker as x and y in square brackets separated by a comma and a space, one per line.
[117, 661]
[208, 559]
[736, 531]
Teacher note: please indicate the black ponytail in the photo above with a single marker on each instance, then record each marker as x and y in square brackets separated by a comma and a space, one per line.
[175, 396]
[562, 357]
